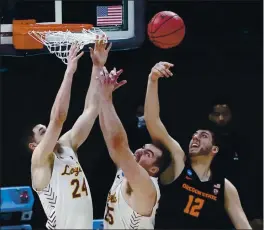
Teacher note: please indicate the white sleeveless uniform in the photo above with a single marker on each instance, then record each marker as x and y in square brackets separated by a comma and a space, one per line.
[67, 199]
[119, 215]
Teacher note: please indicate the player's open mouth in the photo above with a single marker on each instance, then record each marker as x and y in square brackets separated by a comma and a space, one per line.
[195, 145]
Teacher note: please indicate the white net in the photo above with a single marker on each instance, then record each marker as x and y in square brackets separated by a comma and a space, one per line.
[59, 42]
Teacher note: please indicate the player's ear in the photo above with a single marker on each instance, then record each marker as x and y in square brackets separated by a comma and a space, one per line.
[32, 146]
[154, 170]
[215, 150]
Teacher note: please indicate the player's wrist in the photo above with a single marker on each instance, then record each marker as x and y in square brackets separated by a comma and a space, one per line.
[106, 98]
[69, 72]
[152, 78]
[98, 67]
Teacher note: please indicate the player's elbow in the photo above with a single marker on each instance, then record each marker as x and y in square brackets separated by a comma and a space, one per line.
[59, 116]
[58, 119]
[118, 143]
[150, 116]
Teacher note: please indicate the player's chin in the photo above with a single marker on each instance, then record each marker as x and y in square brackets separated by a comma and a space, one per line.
[193, 152]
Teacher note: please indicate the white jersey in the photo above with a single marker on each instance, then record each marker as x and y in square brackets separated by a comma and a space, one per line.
[67, 199]
[119, 215]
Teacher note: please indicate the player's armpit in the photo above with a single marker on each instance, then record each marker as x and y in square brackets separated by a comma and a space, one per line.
[41, 154]
[75, 137]
[233, 207]
[41, 175]
[137, 177]
[159, 134]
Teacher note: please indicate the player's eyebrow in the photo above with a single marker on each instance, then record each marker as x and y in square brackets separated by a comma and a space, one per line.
[204, 132]
[148, 150]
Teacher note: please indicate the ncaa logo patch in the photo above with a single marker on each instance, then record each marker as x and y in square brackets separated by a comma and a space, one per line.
[189, 172]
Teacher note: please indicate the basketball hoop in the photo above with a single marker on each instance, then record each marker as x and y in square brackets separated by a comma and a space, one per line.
[59, 42]
[58, 38]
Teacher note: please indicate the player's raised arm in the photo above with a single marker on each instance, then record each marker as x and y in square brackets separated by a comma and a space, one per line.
[233, 207]
[156, 128]
[117, 143]
[58, 113]
[82, 127]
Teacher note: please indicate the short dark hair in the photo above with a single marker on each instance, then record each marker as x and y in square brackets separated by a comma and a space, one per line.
[215, 138]
[164, 160]
[209, 126]
[222, 100]
[28, 136]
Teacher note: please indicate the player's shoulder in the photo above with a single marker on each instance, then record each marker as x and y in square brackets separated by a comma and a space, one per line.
[187, 172]
[229, 186]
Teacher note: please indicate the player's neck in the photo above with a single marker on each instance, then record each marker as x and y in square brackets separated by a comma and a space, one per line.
[201, 165]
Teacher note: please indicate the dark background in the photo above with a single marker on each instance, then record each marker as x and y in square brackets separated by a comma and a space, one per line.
[221, 53]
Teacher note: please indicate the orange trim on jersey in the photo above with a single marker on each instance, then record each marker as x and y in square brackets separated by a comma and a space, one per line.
[198, 192]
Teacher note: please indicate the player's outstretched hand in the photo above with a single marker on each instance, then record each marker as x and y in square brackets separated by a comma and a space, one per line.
[108, 82]
[113, 74]
[73, 58]
[100, 51]
[161, 69]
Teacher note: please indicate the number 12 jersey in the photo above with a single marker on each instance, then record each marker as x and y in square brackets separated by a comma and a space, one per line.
[189, 203]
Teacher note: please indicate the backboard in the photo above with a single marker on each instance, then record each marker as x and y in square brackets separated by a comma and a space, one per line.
[125, 27]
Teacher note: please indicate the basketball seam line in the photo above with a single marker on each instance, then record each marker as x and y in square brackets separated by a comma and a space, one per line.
[163, 23]
[164, 35]
[153, 23]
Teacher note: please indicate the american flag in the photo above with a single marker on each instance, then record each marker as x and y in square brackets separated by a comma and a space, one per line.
[109, 15]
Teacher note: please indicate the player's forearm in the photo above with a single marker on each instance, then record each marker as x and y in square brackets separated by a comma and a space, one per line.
[112, 128]
[61, 105]
[152, 109]
[240, 221]
[93, 97]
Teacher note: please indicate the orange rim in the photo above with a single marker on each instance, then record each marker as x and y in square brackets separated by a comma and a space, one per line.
[24, 29]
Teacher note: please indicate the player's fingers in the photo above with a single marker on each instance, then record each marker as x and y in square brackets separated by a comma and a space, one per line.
[96, 42]
[70, 51]
[168, 72]
[91, 50]
[161, 71]
[113, 72]
[104, 44]
[116, 76]
[121, 83]
[109, 47]
[109, 80]
[167, 64]
[79, 55]
[105, 71]
[75, 51]
[164, 73]
[101, 43]
[158, 70]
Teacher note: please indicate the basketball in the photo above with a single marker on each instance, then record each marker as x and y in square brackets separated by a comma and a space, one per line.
[166, 29]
